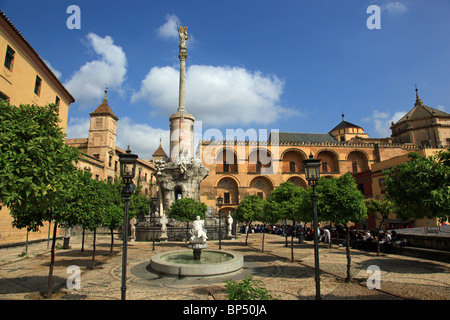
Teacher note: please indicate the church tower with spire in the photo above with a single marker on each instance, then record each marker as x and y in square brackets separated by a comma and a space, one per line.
[102, 135]
[422, 126]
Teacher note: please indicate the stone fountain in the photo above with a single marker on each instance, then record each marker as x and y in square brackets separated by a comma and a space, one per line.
[197, 262]
[197, 242]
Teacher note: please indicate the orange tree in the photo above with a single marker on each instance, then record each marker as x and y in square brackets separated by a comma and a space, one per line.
[36, 167]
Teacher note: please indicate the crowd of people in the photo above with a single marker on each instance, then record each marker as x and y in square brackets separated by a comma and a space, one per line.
[367, 240]
[359, 239]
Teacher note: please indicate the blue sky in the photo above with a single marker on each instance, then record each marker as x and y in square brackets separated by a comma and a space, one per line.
[294, 66]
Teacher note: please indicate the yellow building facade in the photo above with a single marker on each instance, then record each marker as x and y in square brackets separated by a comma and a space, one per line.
[26, 79]
[240, 168]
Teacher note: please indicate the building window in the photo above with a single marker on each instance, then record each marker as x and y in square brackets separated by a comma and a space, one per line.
[9, 58]
[292, 167]
[37, 86]
[226, 198]
[260, 194]
[96, 155]
[97, 177]
[448, 141]
[324, 166]
[354, 167]
[115, 166]
[57, 100]
[226, 167]
[110, 161]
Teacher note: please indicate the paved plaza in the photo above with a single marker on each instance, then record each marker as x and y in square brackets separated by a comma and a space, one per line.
[25, 278]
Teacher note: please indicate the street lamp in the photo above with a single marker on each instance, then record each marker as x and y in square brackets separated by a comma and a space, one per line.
[219, 204]
[126, 160]
[312, 173]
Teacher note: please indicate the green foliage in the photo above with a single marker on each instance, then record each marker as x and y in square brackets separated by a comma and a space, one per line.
[284, 202]
[187, 209]
[339, 200]
[113, 215]
[250, 209]
[421, 187]
[35, 164]
[383, 207]
[247, 289]
[140, 204]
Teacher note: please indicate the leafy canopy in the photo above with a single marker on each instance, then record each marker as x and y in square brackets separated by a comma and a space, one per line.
[420, 188]
[36, 166]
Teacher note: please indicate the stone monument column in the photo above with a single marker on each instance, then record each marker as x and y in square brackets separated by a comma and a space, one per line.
[181, 122]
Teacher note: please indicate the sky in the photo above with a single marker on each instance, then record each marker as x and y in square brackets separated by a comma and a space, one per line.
[291, 66]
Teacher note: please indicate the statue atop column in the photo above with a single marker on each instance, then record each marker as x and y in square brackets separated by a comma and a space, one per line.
[182, 32]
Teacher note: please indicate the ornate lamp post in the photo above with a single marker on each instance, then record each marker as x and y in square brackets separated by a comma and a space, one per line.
[219, 204]
[312, 173]
[127, 161]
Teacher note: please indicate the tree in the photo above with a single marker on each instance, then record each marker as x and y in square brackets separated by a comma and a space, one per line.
[339, 201]
[283, 203]
[249, 210]
[384, 208]
[186, 210]
[420, 188]
[36, 167]
[114, 214]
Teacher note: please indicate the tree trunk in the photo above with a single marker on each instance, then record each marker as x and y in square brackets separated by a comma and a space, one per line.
[349, 259]
[292, 241]
[285, 233]
[93, 251]
[82, 242]
[378, 234]
[264, 233]
[331, 235]
[112, 242]
[52, 263]
[246, 238]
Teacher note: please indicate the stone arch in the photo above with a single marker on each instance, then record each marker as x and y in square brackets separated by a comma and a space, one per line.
[228, 189]
[358, 161]
[259, 160]
[298, 181]
[226, 160]
[261, 186]
[292, 161]
[329, 161]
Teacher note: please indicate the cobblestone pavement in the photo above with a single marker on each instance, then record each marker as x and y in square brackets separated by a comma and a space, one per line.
[25, 278]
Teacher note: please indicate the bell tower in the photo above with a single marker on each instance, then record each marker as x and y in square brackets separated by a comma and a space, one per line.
[102, 136]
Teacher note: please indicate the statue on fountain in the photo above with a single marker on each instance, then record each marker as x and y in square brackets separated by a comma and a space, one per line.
[197, 242]
[198, 234]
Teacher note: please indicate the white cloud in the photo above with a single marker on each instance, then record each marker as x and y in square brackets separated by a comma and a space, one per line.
[382, 121]
[77, 128]
[170, 28]
[142, 138]
[217, 95]
[442, 108]
[56, 72]
[395, 7]
[88, 83]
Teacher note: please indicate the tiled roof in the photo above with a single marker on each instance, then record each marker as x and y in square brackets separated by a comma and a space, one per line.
[305, 137]
[104, 109]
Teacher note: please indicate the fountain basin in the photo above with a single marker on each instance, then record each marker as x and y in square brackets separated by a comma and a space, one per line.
[182, 263]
